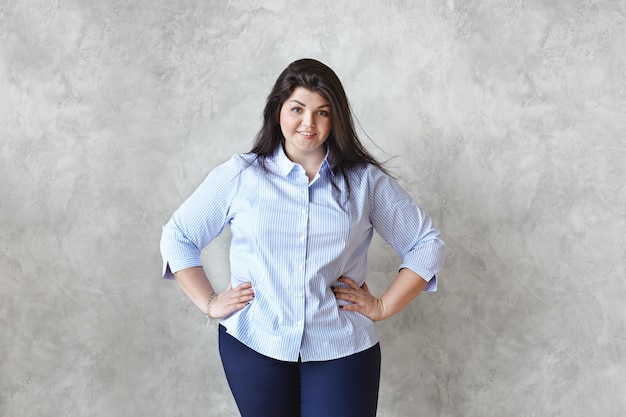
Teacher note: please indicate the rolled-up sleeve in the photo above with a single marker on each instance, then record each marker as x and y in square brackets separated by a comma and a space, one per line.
[200, 219]
[406, 227]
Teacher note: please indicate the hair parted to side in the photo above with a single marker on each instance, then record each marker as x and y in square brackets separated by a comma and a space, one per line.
[345, 148]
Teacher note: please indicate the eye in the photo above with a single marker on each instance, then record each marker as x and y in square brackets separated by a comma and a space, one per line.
[296, 110]
[323, 113]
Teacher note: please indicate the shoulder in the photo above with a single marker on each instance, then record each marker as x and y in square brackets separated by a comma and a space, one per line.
[367, 174]
[379, 183]
[235, 164]
[227, 173]
[240, 160]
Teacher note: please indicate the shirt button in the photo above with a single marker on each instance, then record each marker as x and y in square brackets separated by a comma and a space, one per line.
[299, 324]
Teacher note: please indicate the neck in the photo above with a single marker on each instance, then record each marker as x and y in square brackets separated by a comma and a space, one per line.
[311, 162]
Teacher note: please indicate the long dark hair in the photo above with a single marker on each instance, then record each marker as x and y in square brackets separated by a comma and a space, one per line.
[345, 149]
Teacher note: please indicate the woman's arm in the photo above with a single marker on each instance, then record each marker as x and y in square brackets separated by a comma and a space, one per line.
[405, 287]
[196, 285]
[402, 223]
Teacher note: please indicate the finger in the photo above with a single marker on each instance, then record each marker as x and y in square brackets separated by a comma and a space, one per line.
[349, 282]
[344, 297]
[238, 292]
[245, 297]
[351, 307]
[243, 286]
[229, 305]
[349, 296]
[341, 292]
[238, 305]
[236, 297]
[365, 287]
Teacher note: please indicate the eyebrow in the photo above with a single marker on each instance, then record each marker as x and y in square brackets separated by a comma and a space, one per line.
[304, 105]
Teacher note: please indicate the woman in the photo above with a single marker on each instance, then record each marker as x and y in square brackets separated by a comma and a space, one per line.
[297, 323]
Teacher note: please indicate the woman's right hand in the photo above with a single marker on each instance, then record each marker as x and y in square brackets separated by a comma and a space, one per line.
[232, 300]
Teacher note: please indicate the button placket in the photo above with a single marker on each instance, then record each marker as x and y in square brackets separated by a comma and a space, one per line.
[300, 264]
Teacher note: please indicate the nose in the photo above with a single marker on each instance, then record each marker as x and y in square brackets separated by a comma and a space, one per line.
[308, 119]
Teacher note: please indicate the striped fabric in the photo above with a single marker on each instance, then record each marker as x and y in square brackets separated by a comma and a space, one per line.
[292, 239]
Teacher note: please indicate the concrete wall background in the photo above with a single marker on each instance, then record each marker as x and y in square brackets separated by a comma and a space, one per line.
[508, 122]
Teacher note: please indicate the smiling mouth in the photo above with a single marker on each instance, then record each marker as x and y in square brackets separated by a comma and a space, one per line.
[307, 134]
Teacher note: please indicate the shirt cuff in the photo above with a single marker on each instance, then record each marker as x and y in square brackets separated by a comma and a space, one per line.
[175, 265]
[428, 276]
[432, 285]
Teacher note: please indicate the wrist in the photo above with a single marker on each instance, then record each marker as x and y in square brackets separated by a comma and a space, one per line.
[381, 309]
[209, 307]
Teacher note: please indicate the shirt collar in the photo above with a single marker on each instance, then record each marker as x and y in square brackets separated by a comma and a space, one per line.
[325, 167]
[284, 165]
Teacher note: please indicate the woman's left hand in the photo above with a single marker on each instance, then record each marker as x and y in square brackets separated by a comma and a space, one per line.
[361, 298]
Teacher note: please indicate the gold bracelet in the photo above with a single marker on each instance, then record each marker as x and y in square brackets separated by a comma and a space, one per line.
[212, 299]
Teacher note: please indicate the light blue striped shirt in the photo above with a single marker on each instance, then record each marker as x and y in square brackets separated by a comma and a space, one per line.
[292, 240]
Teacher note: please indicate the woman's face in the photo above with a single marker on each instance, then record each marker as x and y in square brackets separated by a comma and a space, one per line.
[305, 121]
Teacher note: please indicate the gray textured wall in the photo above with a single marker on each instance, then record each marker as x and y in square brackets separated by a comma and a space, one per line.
[508, 122]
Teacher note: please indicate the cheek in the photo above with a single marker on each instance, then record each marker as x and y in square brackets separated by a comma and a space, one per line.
[285, 118]
[328, 126]
[281, 117]
[286, 124]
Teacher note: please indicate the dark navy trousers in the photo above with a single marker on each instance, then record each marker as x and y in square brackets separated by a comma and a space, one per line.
[266, 387]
